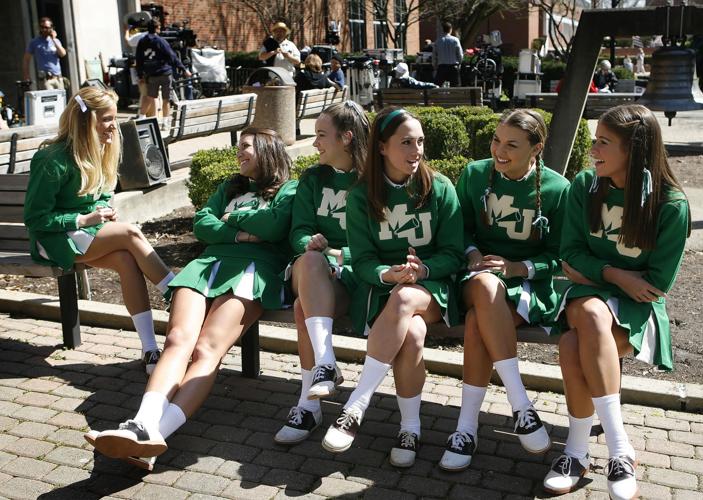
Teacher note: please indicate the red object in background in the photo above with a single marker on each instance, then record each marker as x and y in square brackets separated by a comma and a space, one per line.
[591, 88]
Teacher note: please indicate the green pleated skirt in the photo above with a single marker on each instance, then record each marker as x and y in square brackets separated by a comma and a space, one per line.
[244, 278]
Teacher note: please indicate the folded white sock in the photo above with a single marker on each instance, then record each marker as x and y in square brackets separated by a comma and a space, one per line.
[610, 416]
[471, 400]
[303, 401]
[509, 373]
[577, 439]
[162, 285]
[144, 324]
[371, 377]
[320, 333]
[410, 413]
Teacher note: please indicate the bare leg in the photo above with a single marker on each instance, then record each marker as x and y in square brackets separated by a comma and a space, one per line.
[305, 352]
[188, 311]
[134, 292]
[390, 328]
[148, 106]
[496, 318]
[477, 362]
[409, 364]
[226, 320]
[599, 342]
[115, 236]
[318, 291]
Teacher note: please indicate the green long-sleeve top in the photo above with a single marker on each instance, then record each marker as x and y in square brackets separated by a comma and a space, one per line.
[52, 205]
[589, 252]
[511, 208]
[269, 220]
[432, 230]
[320, 207]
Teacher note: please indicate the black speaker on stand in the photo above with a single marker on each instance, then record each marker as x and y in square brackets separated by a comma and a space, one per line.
[144, 155]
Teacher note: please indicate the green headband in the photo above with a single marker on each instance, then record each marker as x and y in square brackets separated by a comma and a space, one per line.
[390, 117]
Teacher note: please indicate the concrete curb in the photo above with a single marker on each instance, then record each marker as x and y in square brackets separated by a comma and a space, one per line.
[535, 376]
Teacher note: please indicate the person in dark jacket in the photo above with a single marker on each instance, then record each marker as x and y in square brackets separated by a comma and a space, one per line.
[155, 61]
[403, 80]
[312, 76]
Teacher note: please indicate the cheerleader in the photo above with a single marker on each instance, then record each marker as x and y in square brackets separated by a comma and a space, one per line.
[322, 279]
[401, 227]
[513, 207]
[625, 229]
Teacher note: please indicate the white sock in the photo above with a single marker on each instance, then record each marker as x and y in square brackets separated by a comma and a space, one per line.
[144, 324]
[142, 115]
[410, 413]
[610, 416]
[577, 439]
[320, 333]
[471, 400]
[371, 377]
[304, 402]
[151, 410]
[509, 373]
[172, 419]
[162, 285]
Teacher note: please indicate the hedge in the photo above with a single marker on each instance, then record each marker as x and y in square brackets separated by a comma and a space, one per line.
[452, 136]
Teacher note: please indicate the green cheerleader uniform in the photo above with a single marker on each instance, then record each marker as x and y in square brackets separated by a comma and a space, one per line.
[647, 323]
[431, 230]
[248, 270]
[52, 207]
[511, 208]
[320, 207]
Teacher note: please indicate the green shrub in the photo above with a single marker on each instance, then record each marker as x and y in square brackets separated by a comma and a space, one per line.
[445, 135]
[303, 162]
[509, 71]
[552, 70]
[623, 73]
[484, 136]
[474, 118]
[208, 169]
[451, 167]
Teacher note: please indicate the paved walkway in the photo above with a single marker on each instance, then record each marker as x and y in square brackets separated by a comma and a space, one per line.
[49, 397]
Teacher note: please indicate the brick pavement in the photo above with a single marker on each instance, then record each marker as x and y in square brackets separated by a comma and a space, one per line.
[49, 397]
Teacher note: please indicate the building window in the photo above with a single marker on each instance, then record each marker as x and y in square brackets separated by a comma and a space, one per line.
[357, 25]
[401, 10]
[379, 28]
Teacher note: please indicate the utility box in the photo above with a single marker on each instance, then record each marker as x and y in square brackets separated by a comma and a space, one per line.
[44, 107]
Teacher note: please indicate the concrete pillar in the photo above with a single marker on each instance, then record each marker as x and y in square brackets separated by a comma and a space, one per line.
[275, 109]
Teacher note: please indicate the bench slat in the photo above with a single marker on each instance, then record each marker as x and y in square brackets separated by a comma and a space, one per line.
[207, 128]
[14, 182]
[24, 145]
[14, 245]
[212, 118]
[11, 214]
[11, 197]
[211, 110]
[22, 264]
[13, 232]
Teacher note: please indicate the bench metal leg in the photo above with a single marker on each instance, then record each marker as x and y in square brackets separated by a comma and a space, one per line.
[83, 285]
[250, 352]
[70, 322]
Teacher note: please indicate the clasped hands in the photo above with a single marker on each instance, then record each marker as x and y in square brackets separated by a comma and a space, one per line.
[476, 261]
[629, 281]
[97, 216]
[412, 271]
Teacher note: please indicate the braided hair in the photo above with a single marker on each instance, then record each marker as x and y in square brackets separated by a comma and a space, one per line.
[533, 124]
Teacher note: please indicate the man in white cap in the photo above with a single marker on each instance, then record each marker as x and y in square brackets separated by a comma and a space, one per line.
[604, 79]
[404, 80]
[279, 51]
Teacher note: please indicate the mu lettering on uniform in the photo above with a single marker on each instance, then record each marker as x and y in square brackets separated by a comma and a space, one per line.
[611, 223]
[416, 228]
[516, 222]
[333, 204]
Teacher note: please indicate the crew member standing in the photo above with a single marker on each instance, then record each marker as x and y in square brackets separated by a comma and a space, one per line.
[446, 57]
[46, 49]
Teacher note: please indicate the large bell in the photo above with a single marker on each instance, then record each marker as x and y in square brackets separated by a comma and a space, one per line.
[671, 84]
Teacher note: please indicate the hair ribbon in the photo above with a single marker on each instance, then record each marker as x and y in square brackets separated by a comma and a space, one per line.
[81, 103]
[389, 117]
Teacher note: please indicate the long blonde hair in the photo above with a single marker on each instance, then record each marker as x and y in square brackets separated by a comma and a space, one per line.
[96, 162]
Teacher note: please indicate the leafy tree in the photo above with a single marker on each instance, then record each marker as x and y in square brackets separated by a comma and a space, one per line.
[467, 15]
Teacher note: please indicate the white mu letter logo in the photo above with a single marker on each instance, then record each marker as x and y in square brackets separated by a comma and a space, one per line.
[403, 225]
[334, 205]
[611, 221]
[517, 223]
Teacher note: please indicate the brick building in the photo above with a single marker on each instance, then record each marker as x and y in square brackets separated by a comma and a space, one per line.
[230, 25]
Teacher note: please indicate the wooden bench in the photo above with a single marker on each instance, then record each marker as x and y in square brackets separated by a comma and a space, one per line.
[18, 145]
[15, 259]
[446, 97]
[596, 104]
[202, 117]
[311, 103]
[250, 341]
